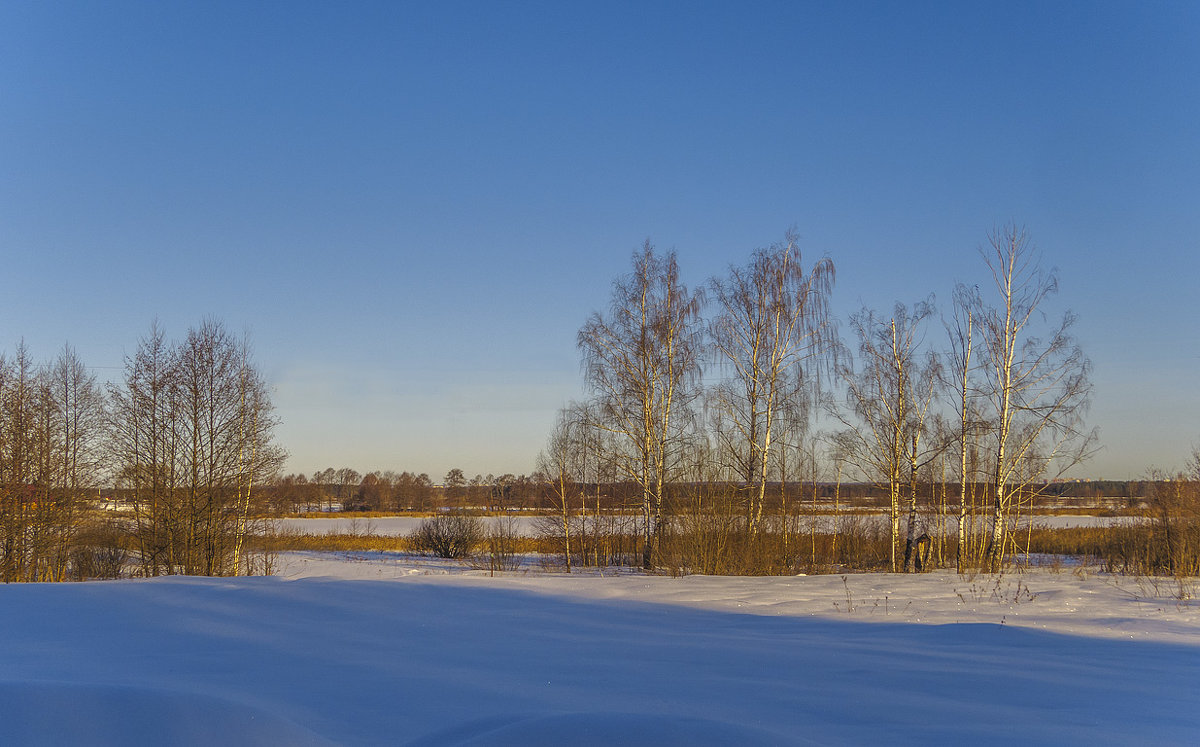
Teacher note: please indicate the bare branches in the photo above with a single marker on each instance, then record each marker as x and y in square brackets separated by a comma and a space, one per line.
[191, 434]
[775, 335]
[1037, 386]
[1015, 389]
[642, 363]
[891, 395]
[561, 465]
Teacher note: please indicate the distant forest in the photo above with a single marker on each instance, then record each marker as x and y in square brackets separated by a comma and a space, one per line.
[346, 490]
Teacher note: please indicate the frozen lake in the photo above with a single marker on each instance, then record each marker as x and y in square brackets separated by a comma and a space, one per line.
[397, 526]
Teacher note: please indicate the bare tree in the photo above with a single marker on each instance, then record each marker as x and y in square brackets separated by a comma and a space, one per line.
[414, 491]
[500, 491]
[642, 361]
[772, 329]
[891, 396]
[961, 332]
[1036, 380]
[841, 445]
[347, 480]
[454, 484]
[50, 418]
[561, 465]
[75, 414]
[258, 458]
[192, 434]
[29, 515]
[80, 403]
[143, 444]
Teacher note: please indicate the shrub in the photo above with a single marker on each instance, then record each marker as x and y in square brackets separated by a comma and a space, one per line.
[1175, 516]
[448, 536]
[99, 553]
[503, 543]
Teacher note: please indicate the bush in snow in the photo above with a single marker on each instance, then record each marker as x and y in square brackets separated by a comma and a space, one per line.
[448, 536]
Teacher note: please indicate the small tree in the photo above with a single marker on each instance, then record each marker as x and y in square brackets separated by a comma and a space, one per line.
[1174, 503]
[560, 465]
[959, 379]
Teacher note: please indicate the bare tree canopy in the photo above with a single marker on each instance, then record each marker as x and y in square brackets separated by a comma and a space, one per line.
[1035, 377]
[51, 428]
[773, 332]
[192, 430]
[642, 364]
[891, 394]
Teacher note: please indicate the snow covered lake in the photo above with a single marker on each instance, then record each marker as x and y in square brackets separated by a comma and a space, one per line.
[384, 648]
[394, 526]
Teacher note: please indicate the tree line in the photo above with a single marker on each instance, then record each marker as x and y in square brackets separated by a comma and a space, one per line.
[185, 436]
[345, 489]
[709, 399]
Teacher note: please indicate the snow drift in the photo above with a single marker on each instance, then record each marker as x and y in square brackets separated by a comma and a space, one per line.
[426, 656]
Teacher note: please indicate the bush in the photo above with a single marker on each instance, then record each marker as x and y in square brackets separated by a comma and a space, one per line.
[503, 543]
[99, 553]
[448, 536]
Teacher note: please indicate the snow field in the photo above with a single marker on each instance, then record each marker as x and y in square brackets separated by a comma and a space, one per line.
[387, 649]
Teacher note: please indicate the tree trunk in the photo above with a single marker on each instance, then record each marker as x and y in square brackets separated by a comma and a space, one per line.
[912, 506]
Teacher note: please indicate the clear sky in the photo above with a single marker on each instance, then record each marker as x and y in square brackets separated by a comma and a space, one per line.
[412, 207]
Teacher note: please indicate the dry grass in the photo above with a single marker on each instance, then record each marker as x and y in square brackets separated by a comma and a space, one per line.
[860, 546]
[290, 541]
[1151, 548]
[285, 541]
[359, 515]
[718, 544]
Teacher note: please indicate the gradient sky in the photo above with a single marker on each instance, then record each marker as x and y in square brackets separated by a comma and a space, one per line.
[413, 207]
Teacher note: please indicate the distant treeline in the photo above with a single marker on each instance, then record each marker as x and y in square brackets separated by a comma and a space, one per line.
[347, 490]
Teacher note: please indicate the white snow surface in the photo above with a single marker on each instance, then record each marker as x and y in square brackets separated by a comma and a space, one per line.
[386, 648]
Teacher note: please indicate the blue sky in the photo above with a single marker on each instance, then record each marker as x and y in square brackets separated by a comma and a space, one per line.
[413, 207]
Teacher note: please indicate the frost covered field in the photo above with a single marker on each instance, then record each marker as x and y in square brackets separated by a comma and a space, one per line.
[391, 649]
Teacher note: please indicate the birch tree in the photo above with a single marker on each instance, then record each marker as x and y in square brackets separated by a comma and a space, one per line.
[772, 330]
[891, 394]
[642, 362]
[1036, 378]
[962, 348]
[560, 464]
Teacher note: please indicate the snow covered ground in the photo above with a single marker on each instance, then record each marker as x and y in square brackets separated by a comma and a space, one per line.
[377, 648]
